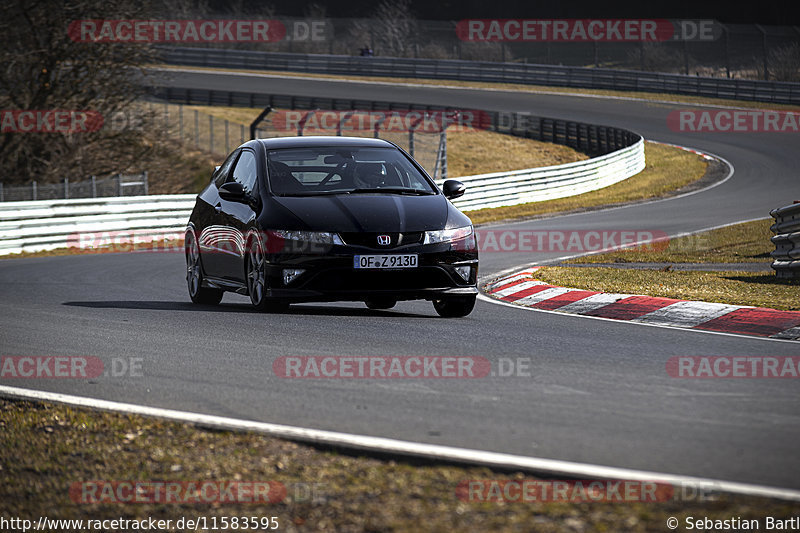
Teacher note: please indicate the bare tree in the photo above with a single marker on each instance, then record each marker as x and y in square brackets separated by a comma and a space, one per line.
[391, 30]
[45, 69]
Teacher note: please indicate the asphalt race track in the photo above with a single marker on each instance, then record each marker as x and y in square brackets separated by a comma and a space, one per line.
[598, 390]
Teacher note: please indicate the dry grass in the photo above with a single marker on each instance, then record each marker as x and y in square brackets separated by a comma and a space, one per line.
[47, 447]
[746, 242]
[482, 152]
[739, 243]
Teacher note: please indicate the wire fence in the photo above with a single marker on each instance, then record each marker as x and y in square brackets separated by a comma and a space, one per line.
[194, 126]
[117, 185]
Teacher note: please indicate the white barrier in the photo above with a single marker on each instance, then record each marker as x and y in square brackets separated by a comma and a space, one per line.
[51, 224]
[547, 183]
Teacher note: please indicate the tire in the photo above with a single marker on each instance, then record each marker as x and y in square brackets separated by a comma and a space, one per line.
[381, 303]
[257, 284]
[455, 307]
[194, 275]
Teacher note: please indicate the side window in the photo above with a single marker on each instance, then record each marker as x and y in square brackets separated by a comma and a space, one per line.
[225, 169]
[246, 171]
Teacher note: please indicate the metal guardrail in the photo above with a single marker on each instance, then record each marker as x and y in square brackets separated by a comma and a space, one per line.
[786, 257]
[51, 224]
[522, 73]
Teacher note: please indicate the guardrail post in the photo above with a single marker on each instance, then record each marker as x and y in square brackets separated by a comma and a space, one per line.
[33, 189]
[241, 131]
[196, 129]
[180, 122]
[211, 133]
[119, 184]
[94, 187]
[145, 182]
[227, 144]
[1, 192]
[66, 188]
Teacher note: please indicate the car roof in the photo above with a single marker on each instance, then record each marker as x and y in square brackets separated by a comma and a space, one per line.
[310, 141]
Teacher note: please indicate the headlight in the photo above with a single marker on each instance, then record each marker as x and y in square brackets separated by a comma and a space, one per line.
[313, 237]
[447, 235]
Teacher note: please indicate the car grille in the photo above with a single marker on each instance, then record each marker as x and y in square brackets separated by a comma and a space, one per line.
[365, 280]
[370, 239]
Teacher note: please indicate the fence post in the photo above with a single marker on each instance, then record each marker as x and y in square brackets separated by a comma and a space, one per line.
[33, 189]
[66, 188]
[241, 132]
[94, 187]
[196, 129]
[145, 183]
[119, 184]
[211, 133]
[227, 145]
[411, 142]
[443, 145]
[1, 192]
[764, 50]
[180, 121]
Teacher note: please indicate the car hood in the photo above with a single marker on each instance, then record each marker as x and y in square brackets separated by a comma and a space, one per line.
[368, 212]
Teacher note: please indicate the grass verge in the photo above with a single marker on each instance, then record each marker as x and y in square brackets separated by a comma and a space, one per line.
[739, 243]
[49, 447]
[747, 242]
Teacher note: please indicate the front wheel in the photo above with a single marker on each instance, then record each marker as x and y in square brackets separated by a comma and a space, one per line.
[194, 275]
[257, 280]
[454, 307]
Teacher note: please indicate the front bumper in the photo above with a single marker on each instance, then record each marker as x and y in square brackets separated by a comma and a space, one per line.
[332, 277]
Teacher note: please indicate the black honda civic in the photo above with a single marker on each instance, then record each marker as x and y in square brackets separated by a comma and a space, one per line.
[307, 219]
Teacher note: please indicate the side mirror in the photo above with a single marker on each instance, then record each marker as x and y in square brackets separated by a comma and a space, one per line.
[233, 192]
[213, 174]
[453, 189]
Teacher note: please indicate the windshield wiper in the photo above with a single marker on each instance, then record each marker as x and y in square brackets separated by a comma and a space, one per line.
[393, 190]
[315, 193]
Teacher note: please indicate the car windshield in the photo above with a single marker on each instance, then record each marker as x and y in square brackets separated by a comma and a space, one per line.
[344, 170]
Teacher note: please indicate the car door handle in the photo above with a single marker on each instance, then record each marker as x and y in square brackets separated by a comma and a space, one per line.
[218, 208]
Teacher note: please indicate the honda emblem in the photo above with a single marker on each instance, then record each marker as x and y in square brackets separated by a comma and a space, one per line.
[384, 240]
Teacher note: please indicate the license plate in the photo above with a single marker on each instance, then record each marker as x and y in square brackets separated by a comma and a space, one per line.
[385, 261]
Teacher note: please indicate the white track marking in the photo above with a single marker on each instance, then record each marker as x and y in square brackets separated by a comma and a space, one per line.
[430, 451]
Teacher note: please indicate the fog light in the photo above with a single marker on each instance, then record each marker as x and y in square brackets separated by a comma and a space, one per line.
[289, 274]
[464, 272]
